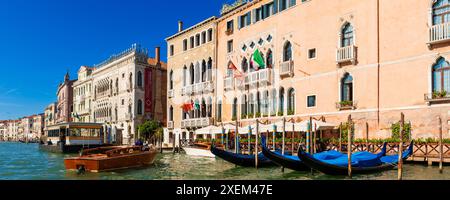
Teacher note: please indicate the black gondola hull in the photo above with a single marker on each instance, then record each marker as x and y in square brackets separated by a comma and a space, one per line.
[242, 160]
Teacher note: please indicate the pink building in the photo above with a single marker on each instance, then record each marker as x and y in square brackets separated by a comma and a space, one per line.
[64, 105]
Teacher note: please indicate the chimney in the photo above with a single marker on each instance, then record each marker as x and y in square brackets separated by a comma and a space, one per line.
[180, 26]
[158, 55]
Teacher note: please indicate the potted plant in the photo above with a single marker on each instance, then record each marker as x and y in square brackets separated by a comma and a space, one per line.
[346, 103]
[280, 113]
[291, 112]
[243, 116]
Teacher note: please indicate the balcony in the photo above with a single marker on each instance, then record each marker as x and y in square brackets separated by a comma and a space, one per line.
[205, 87]
[170, 125]
[437, 97]
[287, 68]
[346, 105]
[171, 93]
[439, 33]
[187, 90]
[228, 83]
[346, 54]
[262, 77]
[229, 32]
[196, 123]
[128, 117]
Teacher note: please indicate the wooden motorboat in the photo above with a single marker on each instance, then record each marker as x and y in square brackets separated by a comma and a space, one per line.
[111, 158]
[199, 150]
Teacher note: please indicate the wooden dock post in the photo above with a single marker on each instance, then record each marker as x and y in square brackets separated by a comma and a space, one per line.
[367, 137]
[249, 140]
[256, 144]
[308, 136]
[283, 141]
[441, 147]
[236, 133]
[349, 146]
[284, 135]
[400, 147]
[293, 135]
[273, 140]
[340, 138]
[314, 140]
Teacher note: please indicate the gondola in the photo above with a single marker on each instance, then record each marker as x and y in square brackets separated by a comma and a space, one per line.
[242, 160]
[363, 165]
[287, 161]
[294, 162]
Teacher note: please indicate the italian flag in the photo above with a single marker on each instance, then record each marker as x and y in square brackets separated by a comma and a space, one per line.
[258, 60]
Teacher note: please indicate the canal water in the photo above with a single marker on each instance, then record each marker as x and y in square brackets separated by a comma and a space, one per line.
[25, 162]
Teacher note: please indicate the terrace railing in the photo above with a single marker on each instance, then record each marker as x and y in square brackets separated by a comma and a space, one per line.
[346, 54]
[439, 33]
[287, 68]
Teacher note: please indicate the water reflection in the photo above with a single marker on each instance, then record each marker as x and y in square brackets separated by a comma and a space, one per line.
[26, 162]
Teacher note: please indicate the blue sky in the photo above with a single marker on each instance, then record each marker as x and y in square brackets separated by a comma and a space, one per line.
[41, 39]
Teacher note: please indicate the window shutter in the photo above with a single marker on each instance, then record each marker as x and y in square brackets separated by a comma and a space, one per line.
[275, 7]
[249, 21]
[263, 11]
[253, 16]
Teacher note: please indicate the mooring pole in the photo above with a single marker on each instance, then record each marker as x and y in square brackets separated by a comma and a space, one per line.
[340, 137]
[293, 136]
[441, 147]
[283, 141]
[249, 140]
[284, 135]
[226, 140]
[236, 138]
[273, 138]
[349, 145]
[315, 140]
[256, 144]
[400, 147]
[308, 136]
[367, 137]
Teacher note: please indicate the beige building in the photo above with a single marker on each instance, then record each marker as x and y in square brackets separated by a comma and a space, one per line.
[12, 132]
[82, 95]
[369, 59]
[122, 92]
[49, 115]
[192, 75]
[3, 130]
[37, 127]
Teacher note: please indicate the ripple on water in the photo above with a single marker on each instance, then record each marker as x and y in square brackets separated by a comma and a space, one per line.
[25, 162]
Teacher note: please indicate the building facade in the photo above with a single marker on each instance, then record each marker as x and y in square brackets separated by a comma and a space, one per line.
[82, 100]
[64, 105]
[3, 130]
[37, 127]
[122, 92]
[50, 115]
[285, 59]
[12, 132]
[191, 83]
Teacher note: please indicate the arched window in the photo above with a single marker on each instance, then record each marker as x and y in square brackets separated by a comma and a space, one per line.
[274, 102]
[204, 71]
[347, 88]
[287, 52]
[269, 59]
[204, 113]
[251, 110]
[117, 85]
[210, 107]
[244, 106]
[347, 35]
[171, 80]
[171, 114]
[219, 111]
[209, 69]
[441, 76]
[185, 73]
[281, 102]
[229, 71]
[197, 109]
[291, 101]
[235, 104]
[192, 73]
[266, 103]
[131, 81]
[197, 73]
[244, 65]
[258, 102]
[139, 79]
[441, 12]
[210, 35]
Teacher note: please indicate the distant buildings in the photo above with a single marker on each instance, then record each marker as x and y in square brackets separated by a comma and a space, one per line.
[50, 115]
